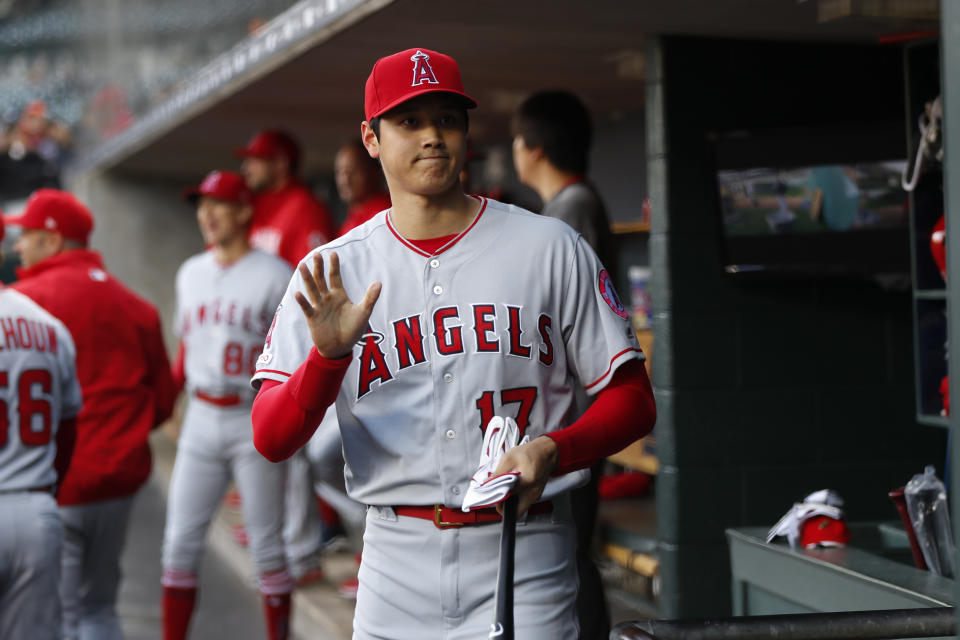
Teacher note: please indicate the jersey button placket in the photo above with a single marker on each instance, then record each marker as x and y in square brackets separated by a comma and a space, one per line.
[448, 436]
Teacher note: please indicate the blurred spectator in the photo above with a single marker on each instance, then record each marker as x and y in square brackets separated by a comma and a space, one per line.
[108, 112]
[23, 167]
[359, 184]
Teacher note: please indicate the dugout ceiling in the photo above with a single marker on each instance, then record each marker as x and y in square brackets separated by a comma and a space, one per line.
[305, 70]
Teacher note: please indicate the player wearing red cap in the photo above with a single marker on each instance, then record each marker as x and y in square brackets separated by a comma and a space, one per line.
[225, 299]
[39, 399]
[288, 220]
[127, 390]
[476, 309]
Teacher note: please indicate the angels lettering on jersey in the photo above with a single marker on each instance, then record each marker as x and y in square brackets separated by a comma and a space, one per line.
[477, 328]
[226, 313]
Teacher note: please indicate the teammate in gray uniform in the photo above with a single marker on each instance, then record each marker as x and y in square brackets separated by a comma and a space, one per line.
[552, 135]
[225, 298]
[466, 309]
[39, 400]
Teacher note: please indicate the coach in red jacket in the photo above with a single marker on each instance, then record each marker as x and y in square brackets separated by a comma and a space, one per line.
[127, 391]
[288, 220]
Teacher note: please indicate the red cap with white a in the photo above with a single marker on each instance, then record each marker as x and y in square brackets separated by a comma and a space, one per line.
[57, 211]
[228, 186]
[408, 74]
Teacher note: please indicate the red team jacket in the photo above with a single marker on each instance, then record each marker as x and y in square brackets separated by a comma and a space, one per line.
[290, 222]
[123, 369]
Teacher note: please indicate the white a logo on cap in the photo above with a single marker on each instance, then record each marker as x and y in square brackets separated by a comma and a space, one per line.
[422, 71]
[50, 223]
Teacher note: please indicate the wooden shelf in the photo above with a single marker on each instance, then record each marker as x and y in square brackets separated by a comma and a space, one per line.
[638, 456]
[630, 227]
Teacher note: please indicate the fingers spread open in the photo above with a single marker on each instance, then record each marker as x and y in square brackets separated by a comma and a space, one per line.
[305, 305]
[370, 298]
[318, 273]
[310, 284]
[336, 282]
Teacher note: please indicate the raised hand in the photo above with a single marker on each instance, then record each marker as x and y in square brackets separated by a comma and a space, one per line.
[335, 322]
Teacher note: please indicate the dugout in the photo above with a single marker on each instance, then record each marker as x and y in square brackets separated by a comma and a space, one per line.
[767, 387]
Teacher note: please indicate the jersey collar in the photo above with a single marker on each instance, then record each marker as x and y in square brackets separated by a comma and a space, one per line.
[455, 240]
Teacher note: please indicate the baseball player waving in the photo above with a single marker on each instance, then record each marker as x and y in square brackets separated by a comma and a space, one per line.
[423, 324]
[225, 298]
[39, 401]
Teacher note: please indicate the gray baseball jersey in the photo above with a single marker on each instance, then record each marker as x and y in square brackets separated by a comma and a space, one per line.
[223, 313]
[38, 388]
[507, 318]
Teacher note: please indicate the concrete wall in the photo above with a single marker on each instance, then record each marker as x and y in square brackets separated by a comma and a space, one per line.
[144, 231]
[767, 389]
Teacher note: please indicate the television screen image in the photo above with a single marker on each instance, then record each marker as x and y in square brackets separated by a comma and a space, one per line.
[812, 199]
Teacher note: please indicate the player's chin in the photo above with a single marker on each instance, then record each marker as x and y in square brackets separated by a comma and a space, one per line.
[437, 182]
[210, 236]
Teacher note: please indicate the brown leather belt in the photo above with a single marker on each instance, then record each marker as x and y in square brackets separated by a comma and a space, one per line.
[230, 400]
[448, 518]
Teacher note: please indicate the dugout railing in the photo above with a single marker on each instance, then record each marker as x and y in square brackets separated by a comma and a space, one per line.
[934, 622]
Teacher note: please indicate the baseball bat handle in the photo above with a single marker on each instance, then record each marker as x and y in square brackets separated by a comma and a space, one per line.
[502, 627]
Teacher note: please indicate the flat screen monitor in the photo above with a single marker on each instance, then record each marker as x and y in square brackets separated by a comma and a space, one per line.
[819, 202]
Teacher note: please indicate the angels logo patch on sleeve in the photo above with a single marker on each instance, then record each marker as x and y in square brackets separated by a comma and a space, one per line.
[609, 294]
[273, 324]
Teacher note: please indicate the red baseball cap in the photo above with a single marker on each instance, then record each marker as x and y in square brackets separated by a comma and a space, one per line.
[269, 144]
[408, 74]
[55, 210]
[823, 531]
[222, 185]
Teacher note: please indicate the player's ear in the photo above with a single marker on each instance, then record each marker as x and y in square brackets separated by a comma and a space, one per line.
[536, 153]
[281, 165]
[55, 242]
[370, 140]
[245, 214]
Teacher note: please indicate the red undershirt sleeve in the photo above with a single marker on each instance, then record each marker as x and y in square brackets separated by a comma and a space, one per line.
[622, 413]
[285, 414]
